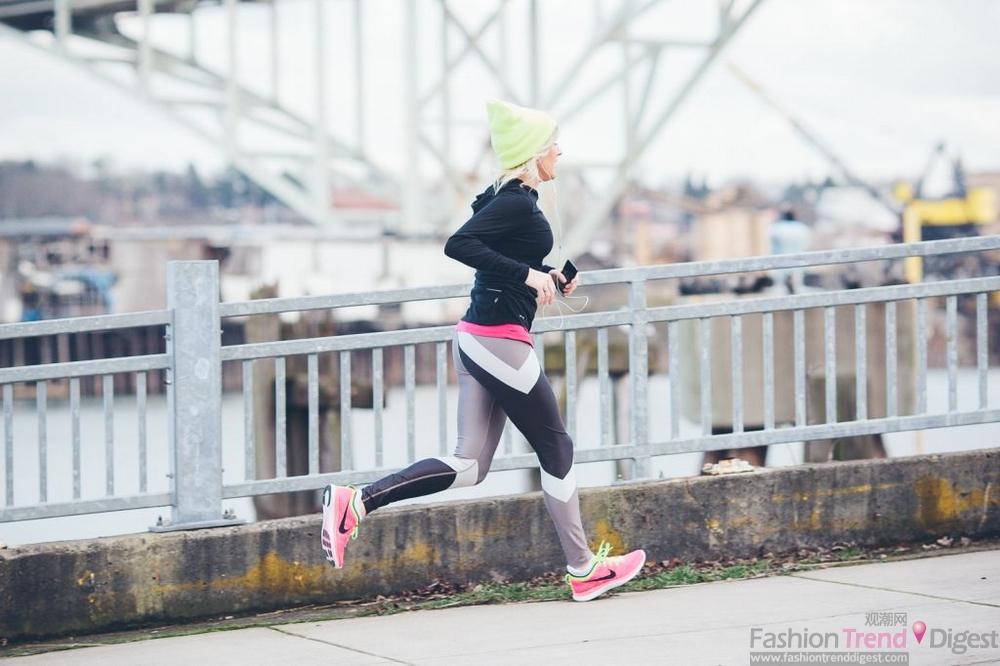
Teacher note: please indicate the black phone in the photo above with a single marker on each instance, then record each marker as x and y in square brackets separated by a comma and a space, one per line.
[569, 271]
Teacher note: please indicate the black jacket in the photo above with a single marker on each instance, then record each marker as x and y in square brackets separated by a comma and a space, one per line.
[506, 235]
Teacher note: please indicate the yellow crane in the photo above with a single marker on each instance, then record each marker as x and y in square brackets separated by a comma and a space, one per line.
[960, 213]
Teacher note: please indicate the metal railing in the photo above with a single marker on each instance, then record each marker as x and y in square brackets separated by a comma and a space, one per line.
[799, 403]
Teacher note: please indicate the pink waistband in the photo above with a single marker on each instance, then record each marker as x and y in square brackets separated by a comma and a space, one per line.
[508, 331]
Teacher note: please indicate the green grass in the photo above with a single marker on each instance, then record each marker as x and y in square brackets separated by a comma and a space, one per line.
[655, 576]
[501, 593]
[553, 588]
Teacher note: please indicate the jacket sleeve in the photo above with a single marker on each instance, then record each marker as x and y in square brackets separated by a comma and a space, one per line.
[473, 243]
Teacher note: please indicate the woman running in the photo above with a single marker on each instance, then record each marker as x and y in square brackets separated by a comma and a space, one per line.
[499, 377]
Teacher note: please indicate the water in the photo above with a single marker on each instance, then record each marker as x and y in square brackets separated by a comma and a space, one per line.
[126, 459]
[94, 470]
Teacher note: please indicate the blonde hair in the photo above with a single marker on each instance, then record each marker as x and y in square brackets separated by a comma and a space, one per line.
[527, 171]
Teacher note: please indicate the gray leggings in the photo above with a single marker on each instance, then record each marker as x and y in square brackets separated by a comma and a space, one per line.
[499, 379]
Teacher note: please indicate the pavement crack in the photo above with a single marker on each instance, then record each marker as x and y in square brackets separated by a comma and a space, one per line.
[341, 646]
[889, 589]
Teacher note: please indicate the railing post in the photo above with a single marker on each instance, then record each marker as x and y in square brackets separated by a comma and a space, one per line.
[638, 367]
[194, 395]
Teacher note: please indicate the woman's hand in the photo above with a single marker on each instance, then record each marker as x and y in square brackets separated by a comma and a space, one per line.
[559, 279]
[543, 284]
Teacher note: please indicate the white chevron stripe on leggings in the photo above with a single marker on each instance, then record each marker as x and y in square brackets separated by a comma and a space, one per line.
[523, 379]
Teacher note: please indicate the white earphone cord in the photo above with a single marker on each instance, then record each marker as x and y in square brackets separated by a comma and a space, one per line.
[561, 304]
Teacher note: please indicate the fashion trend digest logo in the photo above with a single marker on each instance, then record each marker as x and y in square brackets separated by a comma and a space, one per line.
[883, 631]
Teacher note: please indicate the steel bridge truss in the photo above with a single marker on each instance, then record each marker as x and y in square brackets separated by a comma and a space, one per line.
[630, 62]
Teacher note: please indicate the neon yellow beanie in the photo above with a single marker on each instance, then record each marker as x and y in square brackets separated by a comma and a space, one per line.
[517, 133]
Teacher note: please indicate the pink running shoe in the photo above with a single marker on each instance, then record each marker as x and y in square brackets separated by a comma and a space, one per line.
[606, 574]
[341, 515]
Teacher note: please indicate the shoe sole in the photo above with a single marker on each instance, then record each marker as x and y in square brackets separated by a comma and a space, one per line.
[329, 515]
[598, 591]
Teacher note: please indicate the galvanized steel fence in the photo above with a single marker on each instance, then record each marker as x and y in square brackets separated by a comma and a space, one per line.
[785, 411]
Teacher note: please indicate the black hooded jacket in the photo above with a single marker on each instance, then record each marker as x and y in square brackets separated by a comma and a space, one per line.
[506, 235]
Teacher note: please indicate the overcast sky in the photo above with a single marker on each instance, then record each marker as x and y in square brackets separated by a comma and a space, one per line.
[878, 81]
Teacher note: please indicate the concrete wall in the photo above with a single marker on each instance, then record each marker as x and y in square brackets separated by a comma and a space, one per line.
[90, 586]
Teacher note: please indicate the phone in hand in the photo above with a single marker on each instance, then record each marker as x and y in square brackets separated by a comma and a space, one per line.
[569, 271]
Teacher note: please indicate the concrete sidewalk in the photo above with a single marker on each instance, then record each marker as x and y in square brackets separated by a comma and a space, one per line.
[708, 624]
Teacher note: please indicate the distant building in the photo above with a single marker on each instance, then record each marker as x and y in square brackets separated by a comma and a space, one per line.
[66, 267]
[53, 267]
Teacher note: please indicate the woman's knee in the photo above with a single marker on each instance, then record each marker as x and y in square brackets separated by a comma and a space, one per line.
[467, 472]
[556, 456]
